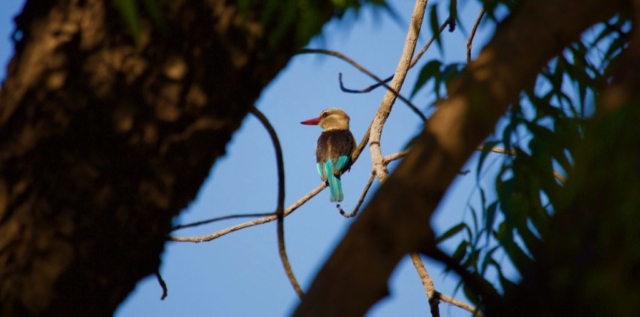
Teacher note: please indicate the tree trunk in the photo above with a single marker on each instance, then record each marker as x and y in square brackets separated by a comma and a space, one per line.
[108, 133]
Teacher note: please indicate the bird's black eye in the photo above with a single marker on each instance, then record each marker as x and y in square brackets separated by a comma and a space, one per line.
[324, 114]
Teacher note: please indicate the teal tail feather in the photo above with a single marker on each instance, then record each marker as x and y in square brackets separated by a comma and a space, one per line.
[335, 187]
[335, 184]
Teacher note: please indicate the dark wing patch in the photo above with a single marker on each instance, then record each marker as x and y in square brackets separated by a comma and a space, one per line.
[333, 144]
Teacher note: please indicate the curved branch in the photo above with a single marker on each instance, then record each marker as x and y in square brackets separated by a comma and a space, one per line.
[414, 61]
[362, 196]
[364, 70]
[280, 207]
[473, 34]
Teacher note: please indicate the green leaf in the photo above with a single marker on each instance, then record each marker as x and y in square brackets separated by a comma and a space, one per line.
[488, 258]
[451, 232]
[490, 217]
[471, 295]
[129, 11]
[486, 149]
[460, 251]
[435, 27]
[428, 71]
[153, 7]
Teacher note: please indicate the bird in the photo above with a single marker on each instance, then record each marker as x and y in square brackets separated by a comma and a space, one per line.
[334, 149]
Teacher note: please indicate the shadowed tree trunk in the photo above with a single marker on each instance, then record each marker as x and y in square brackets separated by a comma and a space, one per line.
[104, 140]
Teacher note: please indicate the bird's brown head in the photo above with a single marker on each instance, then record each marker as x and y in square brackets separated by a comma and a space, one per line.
[330, 119]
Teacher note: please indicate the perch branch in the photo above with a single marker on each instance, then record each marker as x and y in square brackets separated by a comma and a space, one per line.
[272, 217]
[208, 221]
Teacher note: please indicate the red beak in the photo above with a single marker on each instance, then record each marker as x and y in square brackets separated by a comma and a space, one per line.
[313, 121]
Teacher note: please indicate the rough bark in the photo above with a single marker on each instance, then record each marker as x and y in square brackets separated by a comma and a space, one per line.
[104, 141]
[396, 221]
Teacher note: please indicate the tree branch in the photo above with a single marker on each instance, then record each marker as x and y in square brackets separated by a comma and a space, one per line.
[208, 221]
[341, 56]
[414, 61]
[473, 34]
[362, 197]
[427, 283]
[389, 98]
[280, 204]
[218, 234]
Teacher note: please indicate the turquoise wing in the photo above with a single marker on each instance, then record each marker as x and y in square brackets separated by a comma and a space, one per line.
[340, 163]
[322, 171]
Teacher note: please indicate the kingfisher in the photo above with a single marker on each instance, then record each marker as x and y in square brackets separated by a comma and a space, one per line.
[334, 149]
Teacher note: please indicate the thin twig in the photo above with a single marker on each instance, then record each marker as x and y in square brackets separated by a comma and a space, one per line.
[364, 70]
[218, 234]
[497, 149]
[280, 207]
[500, 150]
[389, 98]
[473, 34]
[427, 283]
[361, 91]
[208, 221]
[162, 283]
[395, 156]
[426, 46]
[362, 197]
[458, 303]
[414, 61]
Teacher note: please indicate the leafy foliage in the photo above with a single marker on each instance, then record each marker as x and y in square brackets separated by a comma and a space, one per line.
[540, 135]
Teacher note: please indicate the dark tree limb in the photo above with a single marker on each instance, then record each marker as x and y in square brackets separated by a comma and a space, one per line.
[396, 221]
[105, 139]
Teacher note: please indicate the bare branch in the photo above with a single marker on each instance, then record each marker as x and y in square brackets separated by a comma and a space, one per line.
[208, 221]
[414, 61]
[218, 234]
[458, 303]
[361, 91]
[427, 283]
[162, 283]
[389, 98]
[497, 149]
[473, 34]
[364, 70]
[426, 46]
[501, 150]
[362, 196]
[396, 156]
[280, 207]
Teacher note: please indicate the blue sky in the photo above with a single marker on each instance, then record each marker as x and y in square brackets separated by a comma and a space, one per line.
[241, 274]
